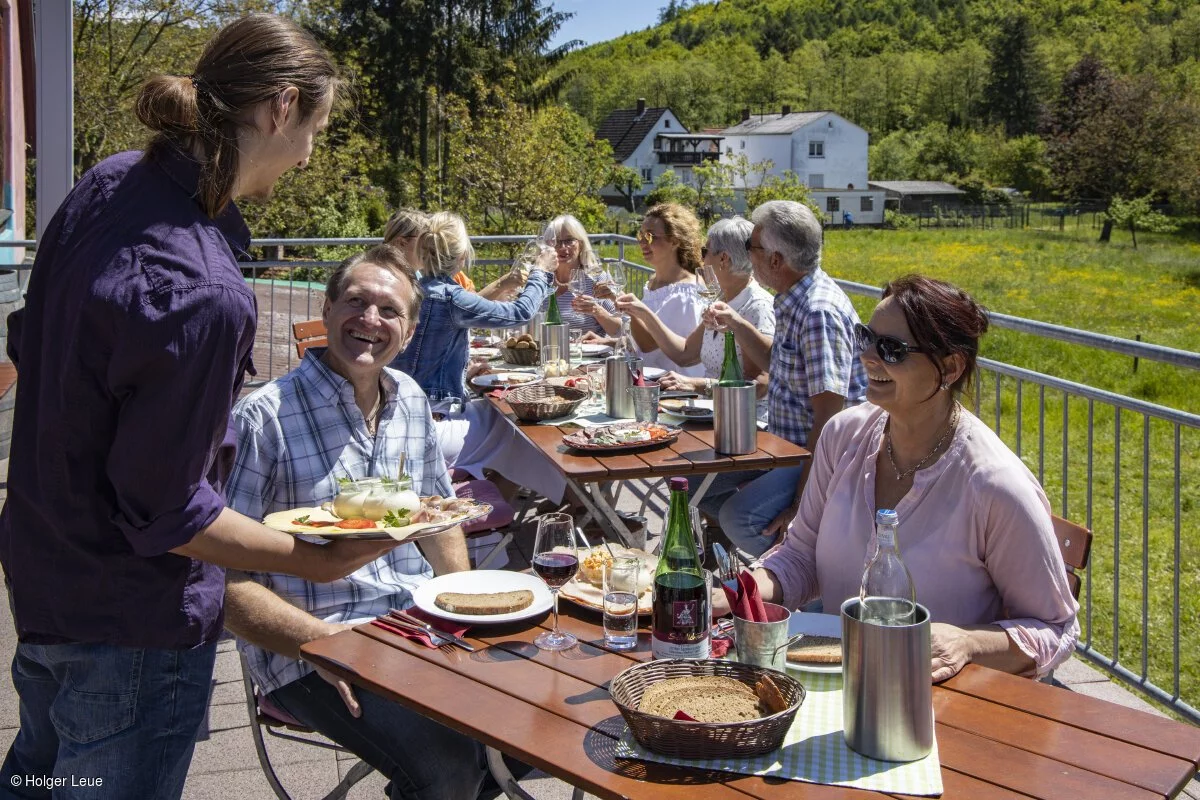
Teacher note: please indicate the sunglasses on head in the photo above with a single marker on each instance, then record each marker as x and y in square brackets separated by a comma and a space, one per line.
[889, 348]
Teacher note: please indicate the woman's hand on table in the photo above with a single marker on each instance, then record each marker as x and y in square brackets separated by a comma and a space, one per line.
[674, 382]
[952, 649]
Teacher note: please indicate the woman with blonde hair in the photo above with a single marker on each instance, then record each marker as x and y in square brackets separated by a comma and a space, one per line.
[670, 241]
[470, 433]
[572, 251]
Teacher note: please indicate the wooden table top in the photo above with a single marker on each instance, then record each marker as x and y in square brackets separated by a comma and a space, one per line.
[691, 454]
[998, 735]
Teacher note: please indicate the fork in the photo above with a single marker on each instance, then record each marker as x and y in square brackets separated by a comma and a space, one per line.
[394, 625]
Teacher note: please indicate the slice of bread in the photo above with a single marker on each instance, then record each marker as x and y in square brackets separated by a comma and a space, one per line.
[484, 603]
[703, 698]
[816, 650]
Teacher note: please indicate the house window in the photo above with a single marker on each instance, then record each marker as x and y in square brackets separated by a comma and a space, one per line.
[816, 181]
[666, 123]
[833, 204]
[816, 149]
[743, 144]
[729, 151]
[647, 174]
[866, 203]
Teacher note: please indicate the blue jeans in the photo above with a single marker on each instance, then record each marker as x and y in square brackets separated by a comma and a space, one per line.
[422, 759]
[746, 512]
[101, 721]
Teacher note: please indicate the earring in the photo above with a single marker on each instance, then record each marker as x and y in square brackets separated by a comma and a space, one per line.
[944, 387]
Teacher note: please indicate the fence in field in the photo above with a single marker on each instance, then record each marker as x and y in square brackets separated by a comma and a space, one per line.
[1126, 468]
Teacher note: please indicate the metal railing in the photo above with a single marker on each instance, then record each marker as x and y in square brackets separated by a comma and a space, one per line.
[1124, 482]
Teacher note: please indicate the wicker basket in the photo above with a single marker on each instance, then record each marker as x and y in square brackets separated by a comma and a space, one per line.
[683, 739]
[526, 358]
[530, 401]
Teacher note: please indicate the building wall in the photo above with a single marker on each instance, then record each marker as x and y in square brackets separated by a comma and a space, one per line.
[644, 156]
[843, 162]
[12, 133]
[775, 147]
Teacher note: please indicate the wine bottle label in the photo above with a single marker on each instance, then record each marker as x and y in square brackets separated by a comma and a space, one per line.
[660, 648]
[684, 613]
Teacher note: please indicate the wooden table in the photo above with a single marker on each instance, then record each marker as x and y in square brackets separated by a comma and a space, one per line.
[691, 454]
[998, 735]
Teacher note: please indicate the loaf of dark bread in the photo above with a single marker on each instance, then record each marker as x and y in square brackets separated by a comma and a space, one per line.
[816, 650]
[484, 603]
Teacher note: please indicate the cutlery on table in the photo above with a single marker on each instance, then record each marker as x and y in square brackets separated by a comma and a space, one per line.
[432, 631]
[728, 574]
[398, 627]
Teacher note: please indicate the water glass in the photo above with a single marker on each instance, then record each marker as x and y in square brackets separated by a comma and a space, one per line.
[595, 377]
[621, 591]
[645, 402]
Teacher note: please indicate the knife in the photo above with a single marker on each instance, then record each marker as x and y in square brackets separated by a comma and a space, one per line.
[458, 640]
[728, 575]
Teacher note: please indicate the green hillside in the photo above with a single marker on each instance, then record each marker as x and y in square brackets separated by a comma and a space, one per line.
[943, 86]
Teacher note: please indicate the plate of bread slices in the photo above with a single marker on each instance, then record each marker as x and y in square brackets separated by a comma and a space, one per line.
[484, 596]
[821, 648]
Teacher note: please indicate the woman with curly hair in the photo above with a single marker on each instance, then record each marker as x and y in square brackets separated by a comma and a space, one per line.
[670, 240]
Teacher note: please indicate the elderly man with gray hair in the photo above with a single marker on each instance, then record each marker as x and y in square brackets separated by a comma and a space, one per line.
[813, 367]
[724, 251]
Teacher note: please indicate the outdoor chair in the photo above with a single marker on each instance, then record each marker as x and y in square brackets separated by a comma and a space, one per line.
[1075, 542]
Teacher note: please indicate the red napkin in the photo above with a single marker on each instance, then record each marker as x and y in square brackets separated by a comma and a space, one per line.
[639, 378]
[720, 647]
[438, 623]
[684, 717]
[746, 602]
[496, 393]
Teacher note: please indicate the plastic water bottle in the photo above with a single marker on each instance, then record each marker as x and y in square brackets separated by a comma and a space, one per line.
[887, 594]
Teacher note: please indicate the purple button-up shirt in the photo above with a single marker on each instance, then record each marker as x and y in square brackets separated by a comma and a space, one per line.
[131, 348]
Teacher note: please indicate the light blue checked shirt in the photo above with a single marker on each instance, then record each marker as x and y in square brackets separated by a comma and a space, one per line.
[296, 436]
[813, 352]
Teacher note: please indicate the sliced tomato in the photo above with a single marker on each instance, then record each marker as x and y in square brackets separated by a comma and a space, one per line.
[356, 524]
[309, 523]
[570, 382]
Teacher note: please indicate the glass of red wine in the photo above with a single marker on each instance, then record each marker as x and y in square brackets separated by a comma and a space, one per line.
[555, 560]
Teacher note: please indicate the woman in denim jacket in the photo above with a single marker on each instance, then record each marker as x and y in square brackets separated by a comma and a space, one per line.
[437, 356]
[470, 432]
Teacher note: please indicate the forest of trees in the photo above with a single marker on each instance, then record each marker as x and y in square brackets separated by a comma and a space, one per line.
[463, 103]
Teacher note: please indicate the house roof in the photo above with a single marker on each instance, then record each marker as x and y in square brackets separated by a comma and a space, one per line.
[775, 123]
[625, 130]
[916, 187]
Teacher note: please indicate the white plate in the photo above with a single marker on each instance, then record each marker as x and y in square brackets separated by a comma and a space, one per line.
[591, 350]
[816, 625]
[653, 373]
[701, 404]
[484, 580]
[501, 379]
[490, 353]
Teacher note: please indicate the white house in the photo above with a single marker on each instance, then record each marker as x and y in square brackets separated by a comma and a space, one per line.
[651, 141]
[826, 151]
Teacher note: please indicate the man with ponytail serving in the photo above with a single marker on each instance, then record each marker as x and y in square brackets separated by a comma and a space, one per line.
[132, 346]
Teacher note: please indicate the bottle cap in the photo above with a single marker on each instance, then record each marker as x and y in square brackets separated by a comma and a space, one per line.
[886, 516]
[679, 484]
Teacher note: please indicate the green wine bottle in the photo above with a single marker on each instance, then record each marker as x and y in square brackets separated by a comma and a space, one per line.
[553, 317]
[682, 604]
[731, 368]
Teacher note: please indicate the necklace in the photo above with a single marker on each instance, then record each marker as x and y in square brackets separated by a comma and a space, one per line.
[901, 475]
[372, 419]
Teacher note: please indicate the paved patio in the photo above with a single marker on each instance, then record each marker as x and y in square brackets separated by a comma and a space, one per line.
[225, 765]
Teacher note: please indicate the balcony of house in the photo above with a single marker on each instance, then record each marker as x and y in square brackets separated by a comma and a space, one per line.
[687, 148]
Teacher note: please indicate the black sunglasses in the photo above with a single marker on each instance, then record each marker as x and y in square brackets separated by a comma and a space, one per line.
[889, 348]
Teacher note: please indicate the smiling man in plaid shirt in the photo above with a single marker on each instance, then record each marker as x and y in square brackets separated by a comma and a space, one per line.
[342, 414]
[814, 368]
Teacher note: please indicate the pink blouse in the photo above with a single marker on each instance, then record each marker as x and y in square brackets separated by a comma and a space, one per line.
[975, 532]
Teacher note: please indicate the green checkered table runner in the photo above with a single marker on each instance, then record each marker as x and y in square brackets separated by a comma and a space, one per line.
[814, 751]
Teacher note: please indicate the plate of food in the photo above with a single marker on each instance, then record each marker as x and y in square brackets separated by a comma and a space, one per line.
[592, 350]
[621, 436]
[821, 648]
[484, 596]
[502, 380]
[586, 588]
[490, 353]
[377, 508]
[686, 408]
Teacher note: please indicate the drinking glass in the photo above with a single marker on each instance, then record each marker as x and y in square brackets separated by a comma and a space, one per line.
[549, 362]
[578, 282]
[596, 375]
[697, 520]
[621, 602]
[709, 289]
[555, 560]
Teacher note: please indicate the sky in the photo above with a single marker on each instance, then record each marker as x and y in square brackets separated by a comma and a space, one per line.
[601, 20]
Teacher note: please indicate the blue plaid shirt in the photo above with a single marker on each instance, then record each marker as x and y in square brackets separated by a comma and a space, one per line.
[296, 436]
[813, 352]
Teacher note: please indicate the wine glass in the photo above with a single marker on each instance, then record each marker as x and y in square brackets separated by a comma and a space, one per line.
[709, 288]
[555, 560]
[578, 282]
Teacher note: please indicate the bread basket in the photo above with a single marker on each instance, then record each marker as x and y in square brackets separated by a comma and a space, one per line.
[535, 402]
[685, 739]
[527, 357]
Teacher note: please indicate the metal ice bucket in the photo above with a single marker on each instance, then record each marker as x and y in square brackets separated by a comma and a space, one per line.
[887, 698]
[558, 334]
[534, 328]
[735, 418]
[618, 377]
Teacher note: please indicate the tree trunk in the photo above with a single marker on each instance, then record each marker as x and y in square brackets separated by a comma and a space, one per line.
[423, 148]
[1106, 231]
[1133, 233]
